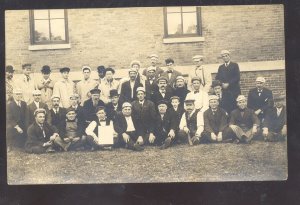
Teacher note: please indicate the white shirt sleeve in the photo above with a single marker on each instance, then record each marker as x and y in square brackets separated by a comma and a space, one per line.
[200, 122]
[90, 129]
[182, 123]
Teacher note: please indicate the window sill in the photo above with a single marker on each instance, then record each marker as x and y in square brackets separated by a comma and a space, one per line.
[184, 39]
[49, 47]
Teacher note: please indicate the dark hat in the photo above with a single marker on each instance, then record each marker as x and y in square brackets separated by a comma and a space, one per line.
[100, 108]
[95, 91]
[113, 92]
[216, 83]
[162, 78]
[278, 97]
[64, 69]
[25, 65]
[70, 109]
[162, 102]
[110, 69]
[46, 69]
[101, 69]
[9, 69]
[169, 60]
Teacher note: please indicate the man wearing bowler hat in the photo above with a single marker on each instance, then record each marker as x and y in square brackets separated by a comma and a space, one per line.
[64, 88]
[91, 104]
[45, 85]
[114, 106]
[9, 82]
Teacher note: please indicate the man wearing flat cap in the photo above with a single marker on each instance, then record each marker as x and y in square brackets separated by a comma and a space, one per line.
[86, 84]
[164, 92]
[274, 125]
[42, 137]
[36, 104]
[260, 99]
[143, 111]
[114, 106]
[128, 89]
[243, 122]
[126, 126]
[45, 85]
[201, 72]
[64, 88]
[171, 74]
[215, 123]
[107, 85]
[191, 124]
[180, 89]
[27, 83]
[91, 105]
[75, 104]
[150, 83]
[154, 63]
[15, 118]
[57, 113]
[229, 75]
[9, 82]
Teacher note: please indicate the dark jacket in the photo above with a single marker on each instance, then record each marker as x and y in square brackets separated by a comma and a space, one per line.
[156, 97]
[176, 115]
[174, 75]
[120, 124]
[181, 93]
[231, 75]
[55, 119]
[110, 110]
[273, 122]
[16, 115]
[215, 123]
[90, 110]
[158, 72]
[126, 91]
[227, 102]
[30, 112]
[263, 102]
[150, 88]
[80, 128]
[246, 121]
[163, 126]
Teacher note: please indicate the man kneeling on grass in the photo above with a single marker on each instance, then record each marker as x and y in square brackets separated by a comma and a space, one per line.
[94, 128]
[243, 121]
[191, 123]
[71, 131]
[42, 137]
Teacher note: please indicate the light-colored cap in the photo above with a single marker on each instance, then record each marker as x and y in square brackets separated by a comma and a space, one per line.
[36, 92]
[126, 104]
[260, 79]
[54, 96]
[86, 67]
[213, 97]
[150, 68]
[174, 97]
[74, 96]
[132, 70]
[198, 57]
[39, 110]
[180, 77]
[140, 89]
[17, 91]
[153, 56]
[223, 52]
[189, 99]
[135, 62]
[196, 78]
[240, 98]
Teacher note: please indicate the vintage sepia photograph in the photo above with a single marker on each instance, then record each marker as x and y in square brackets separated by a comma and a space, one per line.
[146, 95]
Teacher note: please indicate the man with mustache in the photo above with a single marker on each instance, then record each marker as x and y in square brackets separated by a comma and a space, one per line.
[57, 113]
[164, 92]
[154, 61]
[180, 89]
[90, 105]
[128, 89]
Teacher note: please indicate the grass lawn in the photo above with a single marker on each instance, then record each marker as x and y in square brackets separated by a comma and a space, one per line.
[181, 163]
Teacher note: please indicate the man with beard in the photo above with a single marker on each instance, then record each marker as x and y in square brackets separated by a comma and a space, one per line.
[260, 99]
[164, 92]
[45, 85]
[57, 113]
[128, 89]
[154, 62]
[150, 84]
[274, 125]
[243, 121]
[9, 82]
[180, 89]
[107, 85]
[90, 106]
[114, 106]
[170, 74]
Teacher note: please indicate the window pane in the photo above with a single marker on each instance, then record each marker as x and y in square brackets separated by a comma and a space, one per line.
[40, 14]
[173, 9]
[189, 9]
[174, 23]
[58, 30]
[41, 30]
[57, 13]
[189, 23]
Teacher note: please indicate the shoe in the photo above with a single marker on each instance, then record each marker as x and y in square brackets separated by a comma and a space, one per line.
[137, 147]
[50, 150]
[166, 144]
[236, 141]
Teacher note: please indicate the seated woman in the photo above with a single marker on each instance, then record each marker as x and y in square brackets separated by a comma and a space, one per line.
[71, 131]
[94, 128]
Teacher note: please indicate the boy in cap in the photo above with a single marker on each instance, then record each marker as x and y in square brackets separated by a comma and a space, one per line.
[42, 137]
[108, 84]
[229, 75]
[180, 89]
[114, 106]
[274, 124]
[86, 84]
[226, 100]
[45, 85]
[64, 88]
[170, 73]
[200, 96]
[215, 122]
[35, 105]
[243, 121]
[260, 99]
[9, 82]
[15, 119]
[57, 113]
[154, 61]
[191, 123]
[90, 105]
[95, 126]
[127, 128]
[150, 83]
[164, 91]
[128, 88]
[143, 111]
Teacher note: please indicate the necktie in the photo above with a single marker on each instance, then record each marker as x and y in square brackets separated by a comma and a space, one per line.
[169, 71]
[19, 103]
[188, 116]
[27, 78]
[42, 128]
[195, 92]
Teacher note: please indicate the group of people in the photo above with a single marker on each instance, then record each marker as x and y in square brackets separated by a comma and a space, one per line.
[149, 107]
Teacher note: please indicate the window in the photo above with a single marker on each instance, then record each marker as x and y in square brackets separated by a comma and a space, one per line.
[182, 21]
[49, 27]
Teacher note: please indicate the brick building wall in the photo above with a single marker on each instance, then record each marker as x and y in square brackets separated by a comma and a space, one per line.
[114, 37]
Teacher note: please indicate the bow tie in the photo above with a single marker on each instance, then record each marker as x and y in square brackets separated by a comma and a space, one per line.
[169, 71]
[259, 91]
[195, 92]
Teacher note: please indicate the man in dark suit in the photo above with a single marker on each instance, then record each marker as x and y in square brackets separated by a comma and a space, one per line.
[127, 129]
[42, 137]
[35, 105]
[260, 99]
[215, 122]
[229, 75]
[115, 106]
[143, 111]
[274, 124]
[75, 104]
[150, 83]
[154, 61]
[128, 89]
[180, 89]
[243, 121]
[16, 128]
[165, 92]
[90, 105]
[176, 111]
[57, 114]
[170, 74]
[226, 100]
